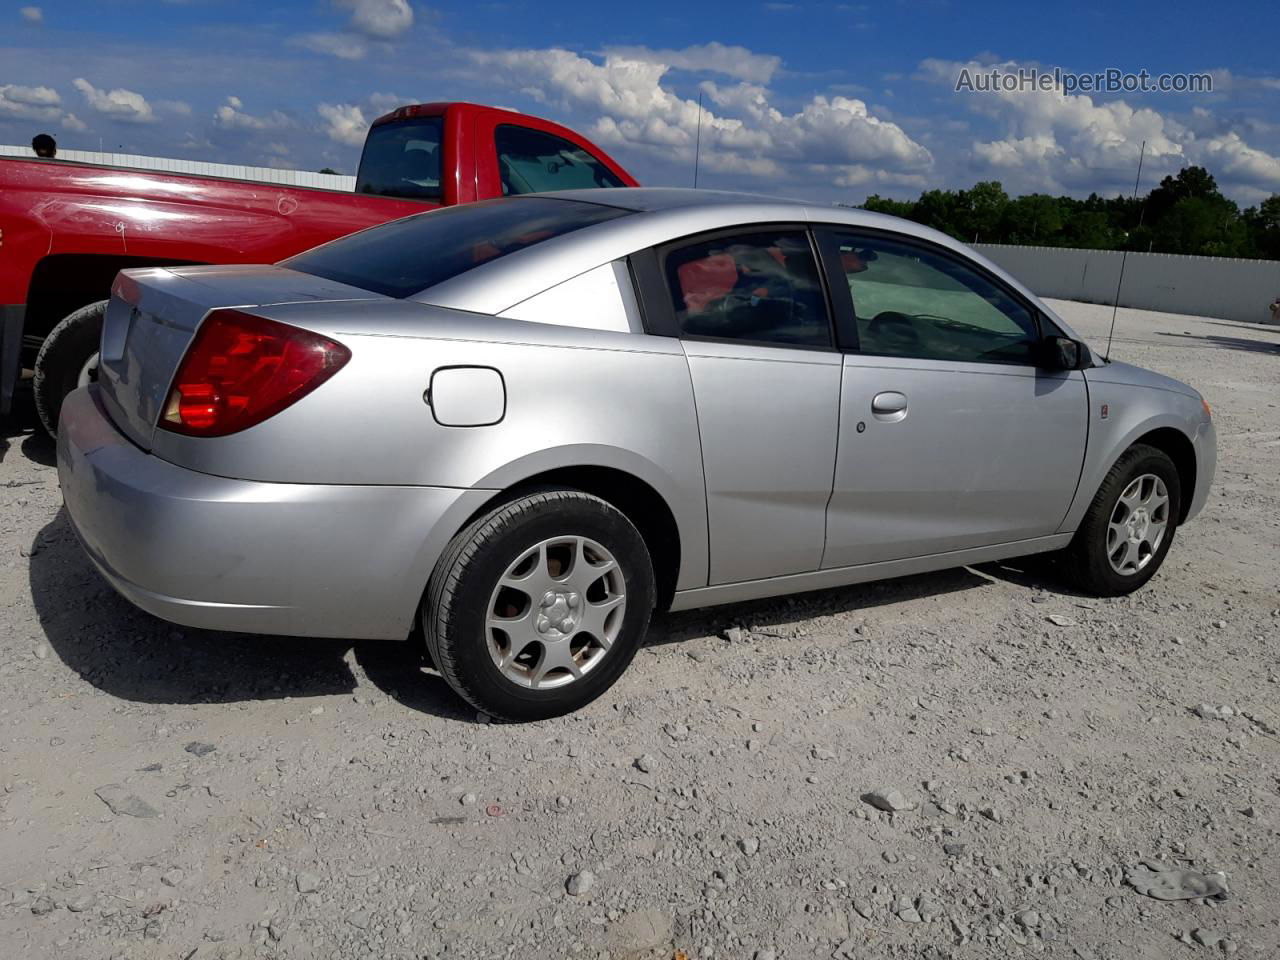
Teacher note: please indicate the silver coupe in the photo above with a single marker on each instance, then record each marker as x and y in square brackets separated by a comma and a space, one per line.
[527, 423]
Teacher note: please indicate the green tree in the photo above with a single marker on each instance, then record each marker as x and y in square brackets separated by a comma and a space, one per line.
[1262, 224]
[895, 208]
[1185, 213]
[1200, 225]
[1035, 219]
[1190, 182]
[939, 209]
[980, 211]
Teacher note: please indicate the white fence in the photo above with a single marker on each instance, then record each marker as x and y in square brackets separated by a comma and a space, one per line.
[231, 171]
[1202, 286]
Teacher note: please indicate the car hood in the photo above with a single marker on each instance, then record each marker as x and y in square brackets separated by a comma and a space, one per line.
[1128, 374]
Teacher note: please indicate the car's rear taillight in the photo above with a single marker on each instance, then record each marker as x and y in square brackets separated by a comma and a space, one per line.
[241, 369]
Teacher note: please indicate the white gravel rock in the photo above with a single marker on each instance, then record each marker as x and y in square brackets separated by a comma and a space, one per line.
[889, 799]
[580, 883]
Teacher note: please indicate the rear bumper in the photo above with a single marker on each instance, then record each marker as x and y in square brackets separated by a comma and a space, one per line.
[204, 551]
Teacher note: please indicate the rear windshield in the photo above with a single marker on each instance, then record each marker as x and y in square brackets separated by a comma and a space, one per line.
[402, 160]
[530, 161]
[405, 257]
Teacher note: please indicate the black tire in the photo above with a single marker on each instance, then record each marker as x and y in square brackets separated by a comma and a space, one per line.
[1085, 561]
[457, 599]
[62, 356]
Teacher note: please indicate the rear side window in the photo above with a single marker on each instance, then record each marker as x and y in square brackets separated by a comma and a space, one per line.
[405, 257]
[760, 286]
[402, 160]
[530, 161]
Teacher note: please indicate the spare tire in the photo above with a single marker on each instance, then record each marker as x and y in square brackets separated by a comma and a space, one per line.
[68, 359]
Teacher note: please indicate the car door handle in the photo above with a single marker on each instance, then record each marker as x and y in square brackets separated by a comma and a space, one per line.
[889, 404]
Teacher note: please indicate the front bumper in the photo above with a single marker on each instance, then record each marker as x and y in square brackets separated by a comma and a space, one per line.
[204, 551]
[1206, 446]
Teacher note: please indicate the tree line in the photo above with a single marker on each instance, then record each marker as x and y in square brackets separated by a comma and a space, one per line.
[1186, 213]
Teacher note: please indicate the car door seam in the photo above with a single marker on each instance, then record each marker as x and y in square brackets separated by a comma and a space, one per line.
[702, 459]
[835, 463]
[1084, 456]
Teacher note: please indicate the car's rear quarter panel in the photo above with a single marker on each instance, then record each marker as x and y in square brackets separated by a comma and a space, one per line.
[574, 397]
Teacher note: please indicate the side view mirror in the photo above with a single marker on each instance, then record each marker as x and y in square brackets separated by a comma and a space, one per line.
[1063, 353]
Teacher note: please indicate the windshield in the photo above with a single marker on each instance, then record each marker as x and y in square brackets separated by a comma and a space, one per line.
[403, 159]
[405, 257]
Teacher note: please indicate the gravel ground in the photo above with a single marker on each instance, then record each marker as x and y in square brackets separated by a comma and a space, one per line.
[168, 793]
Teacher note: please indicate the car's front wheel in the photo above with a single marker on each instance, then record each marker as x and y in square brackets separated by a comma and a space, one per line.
[539, 605]
[1129, 526]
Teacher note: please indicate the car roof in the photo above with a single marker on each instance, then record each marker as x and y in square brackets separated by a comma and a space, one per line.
[652, 199]
[683, 207]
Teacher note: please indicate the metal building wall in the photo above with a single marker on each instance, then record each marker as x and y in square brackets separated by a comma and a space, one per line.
[1201, 286]
[231, 171]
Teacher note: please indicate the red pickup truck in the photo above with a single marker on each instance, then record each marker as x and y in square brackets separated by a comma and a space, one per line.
[66, 228]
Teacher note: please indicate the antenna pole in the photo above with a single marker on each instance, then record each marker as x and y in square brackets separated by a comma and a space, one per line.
[698, 141]
[1124, 256]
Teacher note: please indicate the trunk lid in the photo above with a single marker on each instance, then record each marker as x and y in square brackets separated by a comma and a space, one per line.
[155, 312]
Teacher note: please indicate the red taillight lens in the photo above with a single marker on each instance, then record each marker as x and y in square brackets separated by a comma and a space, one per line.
[241, 369]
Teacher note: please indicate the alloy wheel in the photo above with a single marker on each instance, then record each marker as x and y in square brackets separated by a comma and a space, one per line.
[555, 612]
[1138, 524]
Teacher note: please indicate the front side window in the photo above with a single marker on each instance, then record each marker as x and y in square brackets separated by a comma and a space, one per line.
[402, 159]
[404, 257]
[757, 286]
[530, 161]
[909, 301]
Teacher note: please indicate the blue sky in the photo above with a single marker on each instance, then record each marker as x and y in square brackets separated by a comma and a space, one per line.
[823, 100]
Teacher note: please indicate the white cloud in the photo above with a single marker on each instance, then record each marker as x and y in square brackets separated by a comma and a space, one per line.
[344, 122]
[742, 132]
[231, 116]
[1226, 81]
[36, 103]
[386, 102]
[120, 104]
[1228, 154]
[32, 14]
[29, 103]
[190, 142]
[371, 20]
[1054, 141]
[345, 46]
[730, 61]
[379, 19]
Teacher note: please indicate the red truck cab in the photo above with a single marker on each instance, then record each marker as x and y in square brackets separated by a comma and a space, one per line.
[67, 228]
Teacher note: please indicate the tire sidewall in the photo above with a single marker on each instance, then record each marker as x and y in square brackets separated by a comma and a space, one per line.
[1143, 462]
[465, 633]
[63, 354]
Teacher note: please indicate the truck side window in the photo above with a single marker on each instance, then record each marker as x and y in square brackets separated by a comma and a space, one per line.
[530, 161]
[402, 159]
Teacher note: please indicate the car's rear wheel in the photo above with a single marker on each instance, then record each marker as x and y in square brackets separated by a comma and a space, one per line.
[537, 607]
[1128, 529]
[68, 359]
